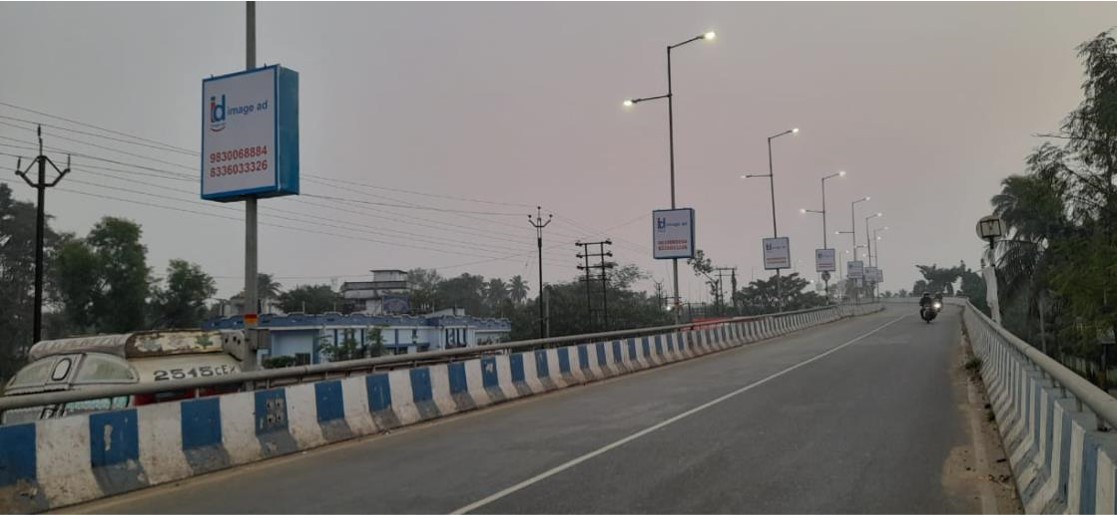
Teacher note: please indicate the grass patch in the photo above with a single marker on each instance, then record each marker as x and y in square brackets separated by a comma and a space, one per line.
[973, 365]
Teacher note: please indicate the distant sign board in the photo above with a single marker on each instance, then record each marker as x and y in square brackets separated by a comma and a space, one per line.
[673, 233]
[777, 253]
[855, 269]
[871, 274]
[250, 134]
[825, 260]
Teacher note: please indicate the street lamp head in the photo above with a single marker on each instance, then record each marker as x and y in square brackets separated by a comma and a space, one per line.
[629, 102]
[841, 173]
[795, 130]
[880, 214]
[868, 198]
[802, 211]
[709, 35]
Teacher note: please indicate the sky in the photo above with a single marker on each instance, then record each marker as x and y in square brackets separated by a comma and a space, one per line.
[927, 106]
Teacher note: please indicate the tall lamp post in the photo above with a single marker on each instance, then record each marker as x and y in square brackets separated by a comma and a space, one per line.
[853, 226]
[868, 239]
[671, 143]
[772, 189]
[876, 238]
[825, 275]
[869, 247]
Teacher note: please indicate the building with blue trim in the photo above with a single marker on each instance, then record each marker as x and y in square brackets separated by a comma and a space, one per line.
[302, 336]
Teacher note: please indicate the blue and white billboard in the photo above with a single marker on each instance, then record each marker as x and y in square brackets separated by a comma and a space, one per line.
[250, 134]
[673, 233]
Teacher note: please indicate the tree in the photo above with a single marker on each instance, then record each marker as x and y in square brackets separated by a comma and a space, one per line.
[124, 276]
[496, 293]
[76, 285]
[940, 279]
[182, 304]
[423, 284]
[17, 273]
[465, 291]
[309, 299]
[349, 348]
[518, 289]
[763, 296]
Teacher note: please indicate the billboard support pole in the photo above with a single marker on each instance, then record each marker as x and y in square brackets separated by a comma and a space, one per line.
[250, 247]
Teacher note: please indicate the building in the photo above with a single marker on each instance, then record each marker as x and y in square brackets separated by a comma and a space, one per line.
[386, 294]
[302, 336]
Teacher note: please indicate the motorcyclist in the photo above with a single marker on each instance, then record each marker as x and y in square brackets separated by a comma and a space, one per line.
[938, 301]
[925, 301]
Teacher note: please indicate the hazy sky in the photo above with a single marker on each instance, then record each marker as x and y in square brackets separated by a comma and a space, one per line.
[928, 107]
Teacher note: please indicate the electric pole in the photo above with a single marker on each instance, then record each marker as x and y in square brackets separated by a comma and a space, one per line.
[602, 267]
[733, 277]
[539, 224]
[40, 185]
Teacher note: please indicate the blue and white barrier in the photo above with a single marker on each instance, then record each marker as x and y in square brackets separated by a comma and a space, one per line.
[1061, 461]
[59, 462]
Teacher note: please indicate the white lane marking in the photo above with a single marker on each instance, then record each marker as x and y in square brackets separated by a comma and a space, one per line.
[528, 482]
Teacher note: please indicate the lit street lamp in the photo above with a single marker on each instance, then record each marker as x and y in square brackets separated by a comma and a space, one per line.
[772, 188]
[671, 140]
[876, 238]
[825, 245]
[868, 240]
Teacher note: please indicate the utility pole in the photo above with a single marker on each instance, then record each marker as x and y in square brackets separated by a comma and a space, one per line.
[40, 185]
[733, 275]
[539, 224]
[602, 267]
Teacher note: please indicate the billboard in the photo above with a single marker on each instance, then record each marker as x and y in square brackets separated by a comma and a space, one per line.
[855, 269]
[777, 253]
[871, 274]
[825, 260]
[673, 233]
[250, 134]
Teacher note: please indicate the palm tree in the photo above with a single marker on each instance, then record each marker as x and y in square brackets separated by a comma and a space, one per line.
[518, 289]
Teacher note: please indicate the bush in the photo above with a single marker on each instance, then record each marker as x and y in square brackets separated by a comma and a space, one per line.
[280, 362]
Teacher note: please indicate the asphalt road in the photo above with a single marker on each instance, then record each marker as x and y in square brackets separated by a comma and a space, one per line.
[855, 416]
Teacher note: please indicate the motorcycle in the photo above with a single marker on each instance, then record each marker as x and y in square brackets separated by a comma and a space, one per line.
[928, 313]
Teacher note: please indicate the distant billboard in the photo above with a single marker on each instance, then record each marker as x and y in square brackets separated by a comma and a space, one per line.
[250, 134]
[825, 260]
[855, 270]
[777, 253]
[673, 233]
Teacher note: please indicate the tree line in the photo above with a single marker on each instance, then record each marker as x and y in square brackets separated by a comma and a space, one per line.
[1057, 265]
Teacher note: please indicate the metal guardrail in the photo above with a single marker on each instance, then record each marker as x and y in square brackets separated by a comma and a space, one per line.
[1085, 394]
[291, 375]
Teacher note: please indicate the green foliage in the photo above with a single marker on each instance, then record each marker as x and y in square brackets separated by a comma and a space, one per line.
[760, 296]
[122, 273]
[102, 281]
[310, 299]
[1058, 261]
[628, 309]
[182, 304]
[423, 284]
[518, 289]
[77, 285]
[17, 278]
[346, 349]
[280, 362]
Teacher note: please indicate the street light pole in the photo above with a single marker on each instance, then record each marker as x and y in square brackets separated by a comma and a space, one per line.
[671, 146]
[825, 231]
[869, 246]
[772, 190]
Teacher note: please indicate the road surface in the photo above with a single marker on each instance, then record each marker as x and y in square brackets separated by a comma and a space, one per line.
[862, 415]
